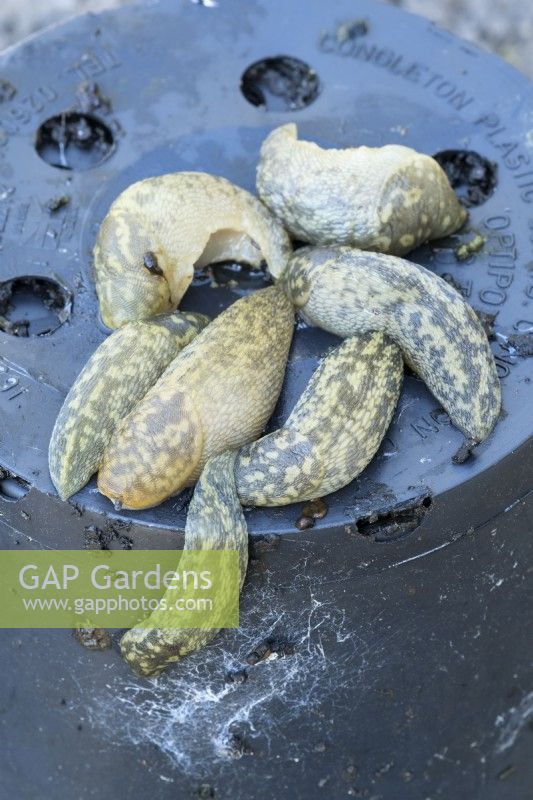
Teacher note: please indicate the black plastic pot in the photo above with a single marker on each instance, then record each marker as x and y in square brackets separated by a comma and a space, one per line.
[385, 652]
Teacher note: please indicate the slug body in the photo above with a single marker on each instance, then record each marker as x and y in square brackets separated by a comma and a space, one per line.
[217, 395]
[215, 521]
[333, 431]
[388, 199]
[116, 377]
[346, 291]
[159, 229]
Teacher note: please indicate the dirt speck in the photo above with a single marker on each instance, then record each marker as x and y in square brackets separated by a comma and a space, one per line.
[487, 321]
[522, 343]
[272, 645]
[205, 792]
[7, 91]
[352, 29]
[315, 509]
[55, 203]
[303, 523]
[473, 177]
[93, 638]
[265, 543]
[90, 98]
[465, 452]
[236, 676]
[506, 772]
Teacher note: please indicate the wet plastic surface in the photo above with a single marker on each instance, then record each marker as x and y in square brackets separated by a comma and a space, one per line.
[168, 92]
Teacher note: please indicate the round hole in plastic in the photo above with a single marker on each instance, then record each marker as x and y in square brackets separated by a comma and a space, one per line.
[473, 176]
[74, 141]
[33, 306]
[281, 83]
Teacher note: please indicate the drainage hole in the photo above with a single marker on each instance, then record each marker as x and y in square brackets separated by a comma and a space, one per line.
[280, 84]
[473, 177]
[12, 488]
[74, 141]
[31, 306]
[388, 526]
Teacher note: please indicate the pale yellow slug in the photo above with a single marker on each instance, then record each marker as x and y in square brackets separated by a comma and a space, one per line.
[160, 229]
[389, 199]
[215, 396]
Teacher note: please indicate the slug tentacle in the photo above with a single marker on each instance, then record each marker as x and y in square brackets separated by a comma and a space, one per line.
[334, 430]
[215, 521]
[389, 199]
[116, 377]
[440, 335]
[217, 395]
[159, 229]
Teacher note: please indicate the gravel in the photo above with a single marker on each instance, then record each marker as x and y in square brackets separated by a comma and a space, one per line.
[504, 26]
[20, 18]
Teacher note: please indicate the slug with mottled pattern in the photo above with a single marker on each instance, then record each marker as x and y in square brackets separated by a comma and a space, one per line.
[333, 431]
[116, 377]
[389, 199]
[215, 521]
[347, 291]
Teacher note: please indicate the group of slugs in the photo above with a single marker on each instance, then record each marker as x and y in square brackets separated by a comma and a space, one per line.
[170, 399]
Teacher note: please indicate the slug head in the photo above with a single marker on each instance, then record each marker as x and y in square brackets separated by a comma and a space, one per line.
[297, 277]
[131, 269]
[155, 451]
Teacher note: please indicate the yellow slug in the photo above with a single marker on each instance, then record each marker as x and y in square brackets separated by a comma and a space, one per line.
[160, 229]
[388, 199]
[215, 396]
